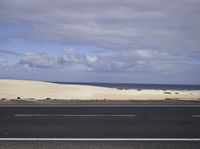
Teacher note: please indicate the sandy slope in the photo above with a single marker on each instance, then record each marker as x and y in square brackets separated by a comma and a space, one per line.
[11, 89]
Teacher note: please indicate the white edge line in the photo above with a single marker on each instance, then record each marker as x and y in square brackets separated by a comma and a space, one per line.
[99, 139]
[101, 106]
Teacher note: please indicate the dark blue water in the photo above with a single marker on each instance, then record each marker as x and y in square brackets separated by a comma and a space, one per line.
[140, 86]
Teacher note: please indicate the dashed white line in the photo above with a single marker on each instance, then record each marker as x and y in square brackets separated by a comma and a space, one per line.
[196, 116]
[70, 115]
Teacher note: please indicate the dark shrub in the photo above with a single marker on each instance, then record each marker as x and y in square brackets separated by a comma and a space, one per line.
[167, 92]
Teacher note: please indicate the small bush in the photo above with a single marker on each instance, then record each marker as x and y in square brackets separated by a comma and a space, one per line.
[168, 98]
[121, 88]
[176, 93]
[167, 92]
[3, 99]
[48, 98]
[18, 97]
[139, 89]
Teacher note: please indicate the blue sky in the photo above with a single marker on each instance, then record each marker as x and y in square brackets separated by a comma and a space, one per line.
[129, 41]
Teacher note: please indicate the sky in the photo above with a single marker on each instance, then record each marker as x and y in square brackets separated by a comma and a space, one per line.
[120, 41]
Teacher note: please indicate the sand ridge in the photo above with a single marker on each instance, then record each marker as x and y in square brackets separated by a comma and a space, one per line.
[25, 89]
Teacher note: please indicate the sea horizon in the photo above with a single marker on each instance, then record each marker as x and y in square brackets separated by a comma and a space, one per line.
[137, 85]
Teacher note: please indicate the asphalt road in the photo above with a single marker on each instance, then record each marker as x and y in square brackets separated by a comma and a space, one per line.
[136, 121]
[97, 145]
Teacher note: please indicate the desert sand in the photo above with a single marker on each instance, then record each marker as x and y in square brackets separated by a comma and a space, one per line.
[36, 90]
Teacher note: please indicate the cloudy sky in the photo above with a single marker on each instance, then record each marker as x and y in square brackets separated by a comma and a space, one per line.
[130, 41]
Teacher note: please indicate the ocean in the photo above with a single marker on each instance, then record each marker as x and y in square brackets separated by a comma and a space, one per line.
[139, 86]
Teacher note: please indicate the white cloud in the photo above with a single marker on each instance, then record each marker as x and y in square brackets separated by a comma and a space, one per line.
[40, 60]
[145, 61]
[144, 53]
[44, 60]
[68, 57]
[136, 61]
[91, 59]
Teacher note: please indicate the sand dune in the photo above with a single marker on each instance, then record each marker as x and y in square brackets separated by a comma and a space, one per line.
[11, 89]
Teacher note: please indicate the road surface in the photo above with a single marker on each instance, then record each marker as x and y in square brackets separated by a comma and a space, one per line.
[100, 125]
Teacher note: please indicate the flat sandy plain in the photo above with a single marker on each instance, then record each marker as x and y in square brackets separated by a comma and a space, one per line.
[36, 90]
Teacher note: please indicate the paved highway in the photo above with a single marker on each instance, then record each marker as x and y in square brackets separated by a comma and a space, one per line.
[97, 125]
[138, 121]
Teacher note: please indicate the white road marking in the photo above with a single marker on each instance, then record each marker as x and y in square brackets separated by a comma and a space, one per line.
[100, 139]
[70, 115]
[197, 116]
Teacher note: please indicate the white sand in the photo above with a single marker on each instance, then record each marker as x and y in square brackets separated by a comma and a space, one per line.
[11, 89]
